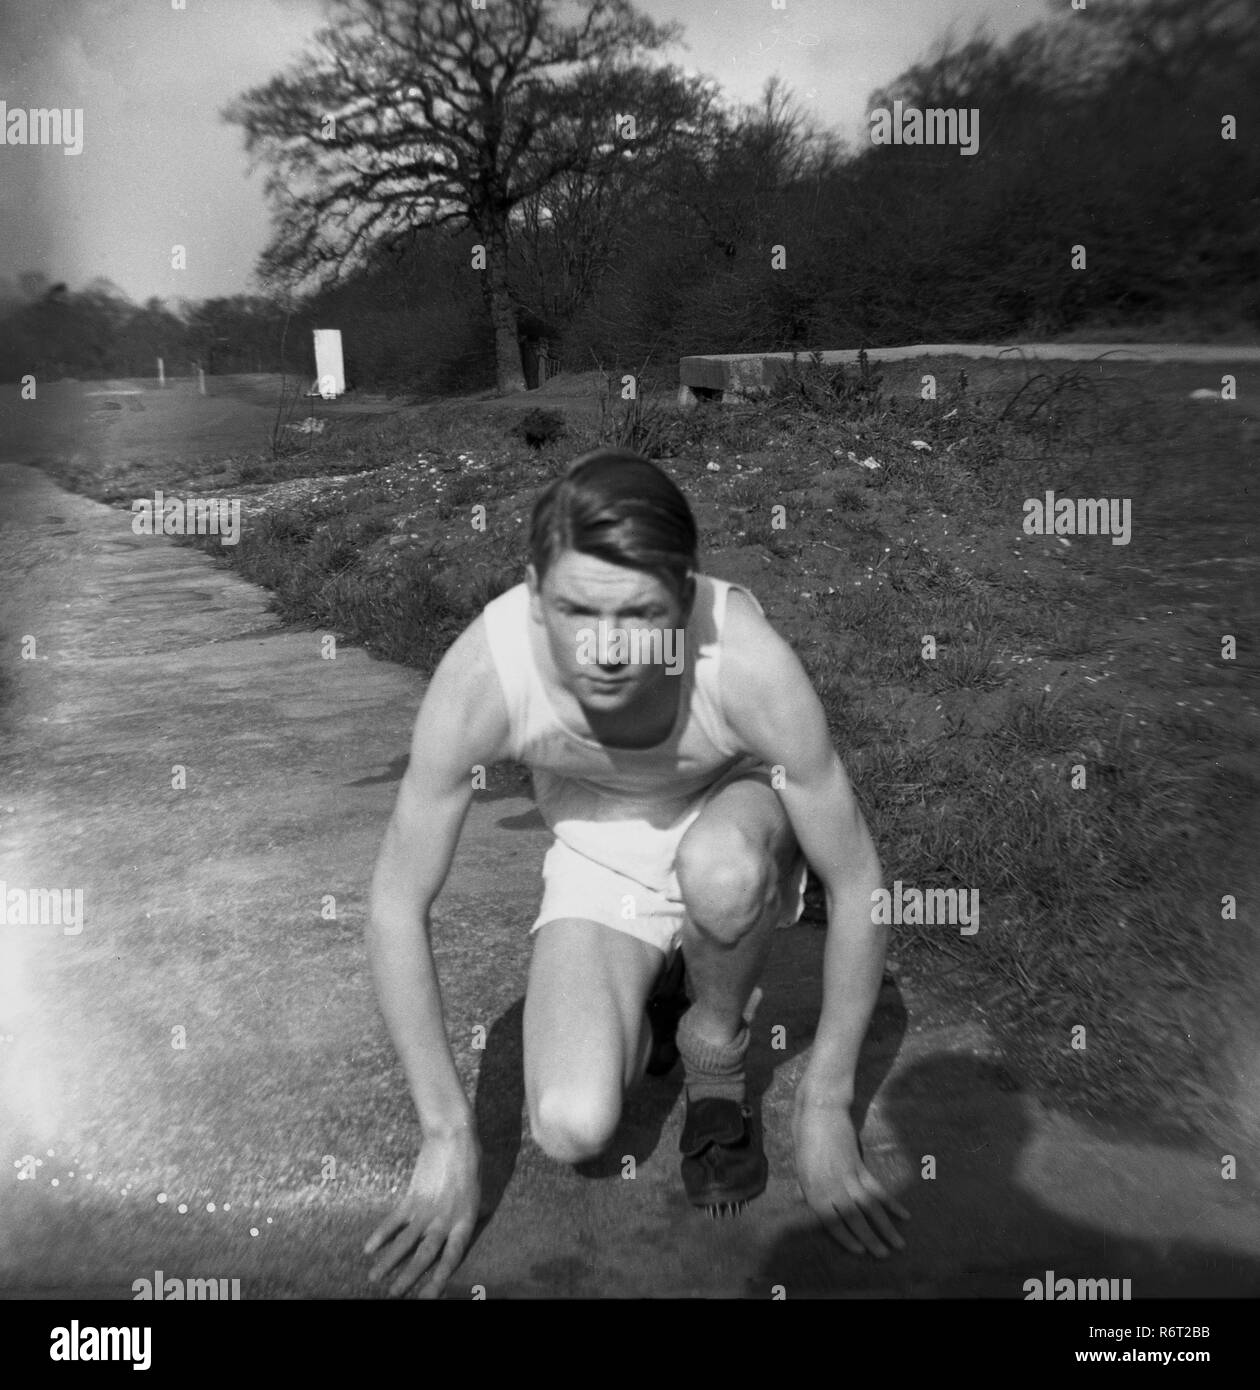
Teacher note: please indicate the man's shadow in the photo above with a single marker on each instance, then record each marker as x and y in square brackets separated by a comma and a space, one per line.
[506, 781]
[499, 1106]
[976, 1231]
[783, 1027]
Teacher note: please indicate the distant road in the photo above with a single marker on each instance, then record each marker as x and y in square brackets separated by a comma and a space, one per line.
[738, 374]
[1067, 352]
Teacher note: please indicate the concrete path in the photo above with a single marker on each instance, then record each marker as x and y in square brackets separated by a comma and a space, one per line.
[197, 1081]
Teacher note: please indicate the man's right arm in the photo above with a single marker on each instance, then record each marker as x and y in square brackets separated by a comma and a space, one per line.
[462, 722]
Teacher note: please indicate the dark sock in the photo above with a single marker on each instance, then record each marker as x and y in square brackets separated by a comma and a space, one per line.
[711, 1070]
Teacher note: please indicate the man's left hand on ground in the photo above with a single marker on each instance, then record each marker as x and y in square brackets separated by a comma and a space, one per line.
[847, 1198]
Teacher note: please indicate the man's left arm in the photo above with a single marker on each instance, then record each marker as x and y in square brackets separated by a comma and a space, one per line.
[772, 707]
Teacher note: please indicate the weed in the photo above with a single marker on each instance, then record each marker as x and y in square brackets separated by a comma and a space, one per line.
[819, 386]
[539, 427]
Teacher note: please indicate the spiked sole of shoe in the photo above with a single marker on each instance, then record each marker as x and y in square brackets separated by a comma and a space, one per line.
[723, 1211]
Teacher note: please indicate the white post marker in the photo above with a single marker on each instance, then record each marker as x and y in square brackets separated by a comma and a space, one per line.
[330, 372]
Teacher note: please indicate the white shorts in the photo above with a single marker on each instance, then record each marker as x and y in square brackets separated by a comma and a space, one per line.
[577, 886]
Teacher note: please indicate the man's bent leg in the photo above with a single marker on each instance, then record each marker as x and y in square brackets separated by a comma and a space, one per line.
[733, 866]
[586, 1033]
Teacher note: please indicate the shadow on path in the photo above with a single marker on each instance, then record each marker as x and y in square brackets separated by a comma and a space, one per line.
[978, 1222]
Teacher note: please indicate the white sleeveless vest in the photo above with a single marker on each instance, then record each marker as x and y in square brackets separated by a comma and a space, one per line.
[617, 805]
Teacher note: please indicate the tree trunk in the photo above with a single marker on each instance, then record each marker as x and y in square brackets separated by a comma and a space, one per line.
[509, 371]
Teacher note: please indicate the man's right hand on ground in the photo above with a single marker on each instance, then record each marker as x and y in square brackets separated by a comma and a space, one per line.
[432, 1225]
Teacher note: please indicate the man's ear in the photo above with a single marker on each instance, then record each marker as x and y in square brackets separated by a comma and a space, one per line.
[534, 585]
[688, 596]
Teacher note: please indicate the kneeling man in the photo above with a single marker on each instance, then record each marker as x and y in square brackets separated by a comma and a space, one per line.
[682, 761]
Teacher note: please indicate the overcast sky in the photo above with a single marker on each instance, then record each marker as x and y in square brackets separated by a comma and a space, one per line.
[159, 166]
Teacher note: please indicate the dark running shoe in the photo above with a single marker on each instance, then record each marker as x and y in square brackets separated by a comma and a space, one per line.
[724, 1164]
[665, 1006]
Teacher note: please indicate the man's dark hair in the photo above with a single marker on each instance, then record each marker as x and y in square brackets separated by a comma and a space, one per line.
[617, 506]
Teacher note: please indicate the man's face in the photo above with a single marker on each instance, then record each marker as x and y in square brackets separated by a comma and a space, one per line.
[583, 604]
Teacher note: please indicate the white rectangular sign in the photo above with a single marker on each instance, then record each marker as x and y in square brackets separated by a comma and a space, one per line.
[330, 374]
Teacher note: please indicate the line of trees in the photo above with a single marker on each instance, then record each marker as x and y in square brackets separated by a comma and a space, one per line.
[52, 332]
[453, 180]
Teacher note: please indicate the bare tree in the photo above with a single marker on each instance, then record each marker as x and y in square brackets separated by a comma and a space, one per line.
[423, 112]
[575, 228]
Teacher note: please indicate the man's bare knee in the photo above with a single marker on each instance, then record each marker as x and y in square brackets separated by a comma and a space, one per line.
[572, 1126]
[728, 883]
